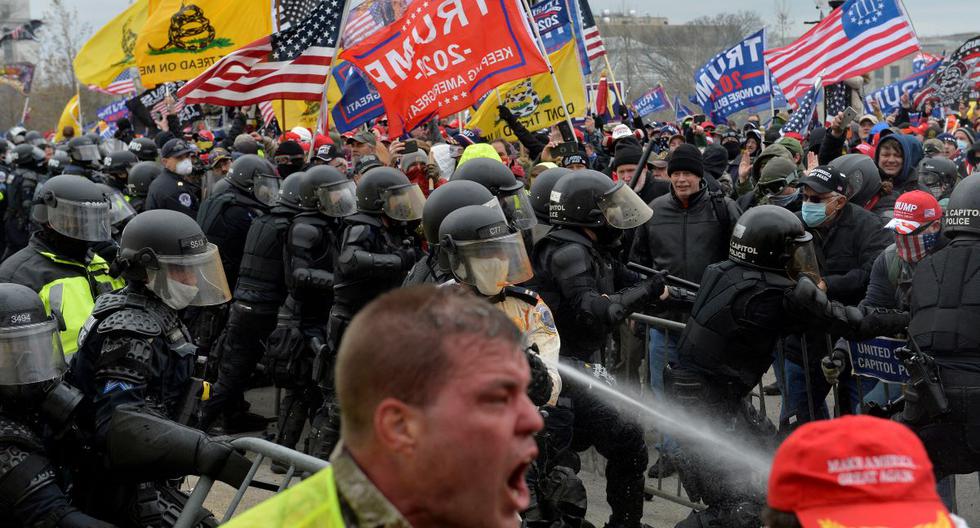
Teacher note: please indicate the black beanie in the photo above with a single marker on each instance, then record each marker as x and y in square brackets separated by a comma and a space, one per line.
[686, 157]
[627, 154]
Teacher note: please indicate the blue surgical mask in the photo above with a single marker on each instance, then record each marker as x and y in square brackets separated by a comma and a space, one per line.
[944, 203]
[783, 200]
[962, 145]
[814, 214]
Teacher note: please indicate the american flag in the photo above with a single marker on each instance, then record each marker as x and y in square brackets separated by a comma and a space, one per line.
[858, 37]
[367, 18]
[802, 117]
[169, 105]
[292, 12]
[593, 41]
[268, 112]
[835, 96]
[26, 31]
[289, 64]
[124, 84]
[922, 60]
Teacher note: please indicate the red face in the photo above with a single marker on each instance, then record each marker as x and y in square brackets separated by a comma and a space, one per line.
[476, 439]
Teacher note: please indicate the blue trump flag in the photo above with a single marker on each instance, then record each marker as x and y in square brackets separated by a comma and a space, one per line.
[360, 102]
[734, 79]
[889, 97]
[552, 19]
[652, 101]
[680, 111]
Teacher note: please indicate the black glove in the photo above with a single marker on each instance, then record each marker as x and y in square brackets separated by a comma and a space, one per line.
[505, 113]
[882, 322]
[539, 390]
[807, 295]
[409, 256]
[655, 286]
[221, 461]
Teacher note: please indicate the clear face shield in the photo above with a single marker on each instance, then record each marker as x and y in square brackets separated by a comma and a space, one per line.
[623, 208]
[119, 208]
[517, 208]
[190, 280]
[88, 153]
[404, 202]
[803, 261]
[337, 199]
[31, 353]
[490, 265]
[89, 221]
[265, 189]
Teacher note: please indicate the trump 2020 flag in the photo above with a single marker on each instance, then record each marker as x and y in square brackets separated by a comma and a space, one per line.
[652, 101]
[734, 79]
[440, 57]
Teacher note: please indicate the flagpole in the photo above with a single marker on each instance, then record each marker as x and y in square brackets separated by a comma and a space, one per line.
[282, 102]
[23, 113]
[551, 69]
[326, 82]
[612, 77]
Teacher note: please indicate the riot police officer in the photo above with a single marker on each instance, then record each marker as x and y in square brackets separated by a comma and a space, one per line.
[27, 175]
[590, 292]
[225, 217]
[57, 163]
[766, 288]
[509, 191]
[138, 182]
[298, 356]
[172, 189]
[260, 290]
[541, 199]
[938, 176]
[85, 157]
[941, 398]
[144, 148]
[33, 489]
[446, 198]
[116, 167]
[378, 246]
[72, 213]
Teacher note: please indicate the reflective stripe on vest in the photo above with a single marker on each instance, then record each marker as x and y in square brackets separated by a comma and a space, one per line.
[312, 503]
[72, 297]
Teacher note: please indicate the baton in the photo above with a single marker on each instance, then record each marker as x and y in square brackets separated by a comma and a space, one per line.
[643, 162]
[639, 268]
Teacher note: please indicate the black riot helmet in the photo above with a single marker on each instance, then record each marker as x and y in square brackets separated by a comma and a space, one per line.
[447, 198]
[387, 190]
[483, 250]
[256, 176]
[120, 211]
[31, 357]
[34, 138]
[28, 156]
[863, 178]
[144, 148]
[938, 175]
[962, 216]
[16, 134]
[119, 162]
[496, 177]
[167, 251]
[541, 192]
[326, 189]
[140, 177]
[56, 165]
[83, 150]
[290, 193]
[772, 238]
[75, 207]
[589, 198]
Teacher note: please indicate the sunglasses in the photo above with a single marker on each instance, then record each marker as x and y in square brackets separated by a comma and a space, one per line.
[774, 186]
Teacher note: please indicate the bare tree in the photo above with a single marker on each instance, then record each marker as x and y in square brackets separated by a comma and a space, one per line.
[61, 37]
[783, 21]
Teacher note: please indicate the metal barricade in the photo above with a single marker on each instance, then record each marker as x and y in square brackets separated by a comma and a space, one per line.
[264, 450]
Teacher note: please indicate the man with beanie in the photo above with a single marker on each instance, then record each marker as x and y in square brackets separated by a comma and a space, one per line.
[689, 230]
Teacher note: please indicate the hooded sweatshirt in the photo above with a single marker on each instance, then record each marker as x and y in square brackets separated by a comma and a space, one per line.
[911, 156]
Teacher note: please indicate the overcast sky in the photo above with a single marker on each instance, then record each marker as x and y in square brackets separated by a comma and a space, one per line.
[930, 17]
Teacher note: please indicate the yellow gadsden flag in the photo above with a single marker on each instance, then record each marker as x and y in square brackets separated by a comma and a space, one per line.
[69, 117]
[292, 114]
[110, 51]
[182, 38]
[534, 100]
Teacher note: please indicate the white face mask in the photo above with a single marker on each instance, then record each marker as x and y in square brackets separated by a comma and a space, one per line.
[184, 167]
[490, 275]
[181, 294]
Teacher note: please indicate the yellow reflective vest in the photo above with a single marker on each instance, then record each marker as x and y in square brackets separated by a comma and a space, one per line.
[313, 503]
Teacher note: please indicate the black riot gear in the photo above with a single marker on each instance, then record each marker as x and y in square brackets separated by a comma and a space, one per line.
[863, 178]
[962, 215]
[144, 148]
[138, 183]
[74, 207]
[483, 250]
[326, 189]
[30, 351]
[83, 151]
[119, 162]
[374, 188]
[496, 177]
[16, 134]
[771, 238]
[59, 160]
[256, 176]
[29, 156]
[541, 189]
[34, 138]
[589, 198]
[291, 193]
[938, 175]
